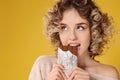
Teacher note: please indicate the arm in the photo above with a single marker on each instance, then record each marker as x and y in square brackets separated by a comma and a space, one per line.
[35, 73]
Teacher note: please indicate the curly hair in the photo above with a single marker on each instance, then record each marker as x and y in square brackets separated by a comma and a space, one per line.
[100, 23]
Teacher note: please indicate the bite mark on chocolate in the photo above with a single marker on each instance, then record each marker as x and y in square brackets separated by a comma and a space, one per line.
[72, 49]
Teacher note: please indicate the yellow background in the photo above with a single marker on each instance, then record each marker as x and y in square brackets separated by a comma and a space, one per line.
[22, 39]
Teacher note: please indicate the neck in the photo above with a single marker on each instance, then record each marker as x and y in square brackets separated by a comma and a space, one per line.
[84, 60]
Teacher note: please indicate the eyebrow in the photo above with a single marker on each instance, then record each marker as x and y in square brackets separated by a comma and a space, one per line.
[76, 24]
[63, 24]
[82, 24]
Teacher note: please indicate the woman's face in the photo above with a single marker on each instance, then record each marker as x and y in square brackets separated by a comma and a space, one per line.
[75, 31]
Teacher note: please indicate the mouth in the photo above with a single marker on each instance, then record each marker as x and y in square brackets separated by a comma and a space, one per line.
[74, 45]
[74, 48]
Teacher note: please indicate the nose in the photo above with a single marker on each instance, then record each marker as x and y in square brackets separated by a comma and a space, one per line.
[72, 35]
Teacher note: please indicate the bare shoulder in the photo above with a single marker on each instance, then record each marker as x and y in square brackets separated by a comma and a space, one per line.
[106, 70]
[109, 70]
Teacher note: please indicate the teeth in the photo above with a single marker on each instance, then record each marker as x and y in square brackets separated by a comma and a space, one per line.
[74, 44]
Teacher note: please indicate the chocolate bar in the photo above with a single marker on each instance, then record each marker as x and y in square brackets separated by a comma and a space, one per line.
[67, 57]
[72, 49]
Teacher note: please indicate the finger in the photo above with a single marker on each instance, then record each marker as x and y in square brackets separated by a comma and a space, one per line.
[57, 76]
[74, 72]
[53, 76]
[61, 72]
[83, 77]
[73, 69]
[58, 65]
[78, 74]
[72, 75]
[77, 69]
[61, 69]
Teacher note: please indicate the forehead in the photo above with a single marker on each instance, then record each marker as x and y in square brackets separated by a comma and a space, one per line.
[71, 15]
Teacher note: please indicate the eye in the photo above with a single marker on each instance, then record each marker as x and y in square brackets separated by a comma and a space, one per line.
[80, 28]
[63, 28]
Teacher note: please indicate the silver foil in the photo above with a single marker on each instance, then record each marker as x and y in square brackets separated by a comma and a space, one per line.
[67, 59]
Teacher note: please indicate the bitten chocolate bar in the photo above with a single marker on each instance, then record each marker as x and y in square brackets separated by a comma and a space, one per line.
[67, 57]
[72, 49]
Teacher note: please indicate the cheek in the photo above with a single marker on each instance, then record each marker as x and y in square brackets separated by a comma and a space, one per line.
[63, 39]
[85, 39]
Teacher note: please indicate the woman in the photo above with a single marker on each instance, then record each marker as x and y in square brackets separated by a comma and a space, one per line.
[76, 23]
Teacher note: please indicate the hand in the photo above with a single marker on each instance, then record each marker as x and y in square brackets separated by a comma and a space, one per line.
[56, 73]
[78, 74]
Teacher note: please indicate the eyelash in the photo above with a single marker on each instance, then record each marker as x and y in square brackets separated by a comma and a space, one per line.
[80, 27]
[63, 28]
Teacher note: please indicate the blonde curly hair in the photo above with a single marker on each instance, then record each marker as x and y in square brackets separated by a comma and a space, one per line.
[100, 23]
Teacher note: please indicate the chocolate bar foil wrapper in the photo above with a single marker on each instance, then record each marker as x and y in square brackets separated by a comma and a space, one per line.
[67, 59]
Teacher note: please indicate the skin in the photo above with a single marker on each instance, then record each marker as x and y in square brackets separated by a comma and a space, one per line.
[56, 73]
[78, 30]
